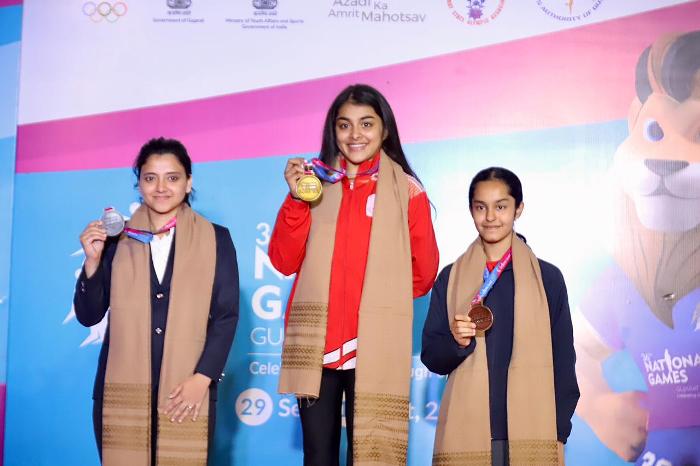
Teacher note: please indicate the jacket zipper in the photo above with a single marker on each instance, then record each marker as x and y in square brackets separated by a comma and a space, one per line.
[348, 216]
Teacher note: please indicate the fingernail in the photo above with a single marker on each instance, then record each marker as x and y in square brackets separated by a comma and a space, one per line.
[172, 419]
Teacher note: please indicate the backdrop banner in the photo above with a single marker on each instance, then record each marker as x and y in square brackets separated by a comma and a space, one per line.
[595, 104]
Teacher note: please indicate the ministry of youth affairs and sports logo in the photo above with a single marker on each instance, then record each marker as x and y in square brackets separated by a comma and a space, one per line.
[475, 12]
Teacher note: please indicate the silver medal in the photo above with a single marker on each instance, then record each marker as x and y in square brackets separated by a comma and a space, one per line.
[113, 221]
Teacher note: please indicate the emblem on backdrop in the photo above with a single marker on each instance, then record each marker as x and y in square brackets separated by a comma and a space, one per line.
[179, 4]
[265, 4]
[475, 12]
[569, 10]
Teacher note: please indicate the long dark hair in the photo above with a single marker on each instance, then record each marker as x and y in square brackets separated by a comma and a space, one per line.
[510, 179]
[362, 94]
[159, 146]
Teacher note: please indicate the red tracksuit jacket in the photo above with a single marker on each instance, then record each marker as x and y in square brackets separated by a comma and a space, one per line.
[288, 247]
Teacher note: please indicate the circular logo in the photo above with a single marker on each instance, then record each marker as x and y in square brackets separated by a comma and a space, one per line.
[475, 12]
[104, 11]
[568, 10]
[254, 407]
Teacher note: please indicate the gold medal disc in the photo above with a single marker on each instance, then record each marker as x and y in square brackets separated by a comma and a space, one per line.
[309, 188]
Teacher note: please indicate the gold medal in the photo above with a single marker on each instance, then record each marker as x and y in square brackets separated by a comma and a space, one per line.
[309, 188]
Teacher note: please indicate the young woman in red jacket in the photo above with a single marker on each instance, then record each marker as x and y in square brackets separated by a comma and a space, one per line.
[361, 252]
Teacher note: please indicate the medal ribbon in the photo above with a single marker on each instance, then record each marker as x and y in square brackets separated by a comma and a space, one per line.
[332, 175]
[308, 168]
[146, 236]
[491, 277]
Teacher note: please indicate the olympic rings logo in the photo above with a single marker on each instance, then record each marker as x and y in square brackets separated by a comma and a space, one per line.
[104, 10]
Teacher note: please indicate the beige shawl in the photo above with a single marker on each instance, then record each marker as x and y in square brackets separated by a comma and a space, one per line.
[464, 431]
[126, 431]
[382, 376]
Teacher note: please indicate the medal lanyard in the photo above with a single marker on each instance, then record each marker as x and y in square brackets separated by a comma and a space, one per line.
[146, 236]
[491, 277]
[332, 175]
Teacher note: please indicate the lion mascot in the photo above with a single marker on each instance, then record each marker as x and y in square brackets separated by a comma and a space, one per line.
[646, 303]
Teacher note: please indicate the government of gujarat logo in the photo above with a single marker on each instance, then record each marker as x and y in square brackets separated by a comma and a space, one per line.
[107, 11]
[475, 12]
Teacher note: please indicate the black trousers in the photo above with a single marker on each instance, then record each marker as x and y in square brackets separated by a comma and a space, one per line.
[321, 419]
[499, 453]
[97, 426]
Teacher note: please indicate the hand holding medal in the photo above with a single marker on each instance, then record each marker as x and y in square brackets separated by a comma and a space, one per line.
[463, 329]
[303, 184]
[309, 187]
[93, 237]
[304, 177]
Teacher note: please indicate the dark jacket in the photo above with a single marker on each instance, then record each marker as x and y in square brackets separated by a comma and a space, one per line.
[91, 302]
[441, 353]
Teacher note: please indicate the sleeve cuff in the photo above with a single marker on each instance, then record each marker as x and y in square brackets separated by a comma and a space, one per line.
[214, 375]
[467, 350]
[293, 203]
[86, 284]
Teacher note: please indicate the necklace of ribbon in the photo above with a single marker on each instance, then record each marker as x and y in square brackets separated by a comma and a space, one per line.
[333, 175]
[490, 277]
[146, 236]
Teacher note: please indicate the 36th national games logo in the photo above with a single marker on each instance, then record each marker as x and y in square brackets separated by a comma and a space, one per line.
[475, 12]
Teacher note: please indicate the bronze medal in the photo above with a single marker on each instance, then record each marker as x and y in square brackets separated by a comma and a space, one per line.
[309, 188]
[481, 316]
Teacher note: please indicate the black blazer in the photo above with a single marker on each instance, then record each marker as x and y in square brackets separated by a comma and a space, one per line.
[91, 301]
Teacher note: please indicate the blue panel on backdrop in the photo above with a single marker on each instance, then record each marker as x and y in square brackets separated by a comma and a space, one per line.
[9, 89]
[10, 24]
[49, 373]
[7, 174]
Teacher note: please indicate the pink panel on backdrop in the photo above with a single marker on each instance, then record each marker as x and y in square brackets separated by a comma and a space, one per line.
[10, 2]
[540, 82]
